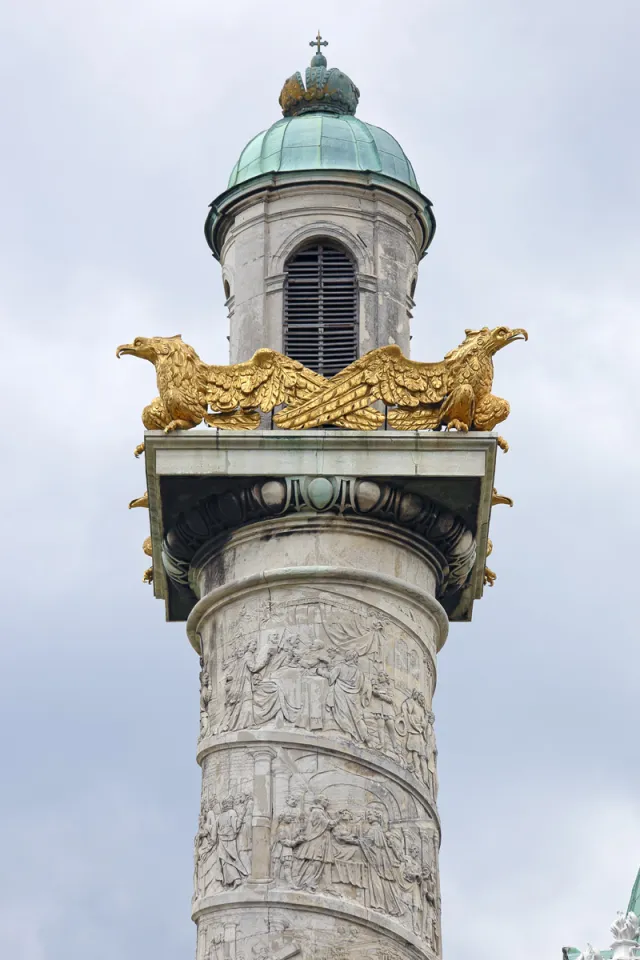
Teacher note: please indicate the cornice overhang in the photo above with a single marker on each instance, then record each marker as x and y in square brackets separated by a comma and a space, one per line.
[432, 487]
[225, 205]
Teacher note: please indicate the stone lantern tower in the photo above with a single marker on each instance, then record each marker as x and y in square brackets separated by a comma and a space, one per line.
[320, 188]
[317, 570]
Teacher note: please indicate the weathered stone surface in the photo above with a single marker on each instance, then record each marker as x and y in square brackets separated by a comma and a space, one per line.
[317, 747]
[317, 566]
[423, 526]
[245, 477]
[378, 227]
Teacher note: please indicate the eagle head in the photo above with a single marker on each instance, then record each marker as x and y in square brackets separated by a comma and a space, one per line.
[151, 348]
[495, 339]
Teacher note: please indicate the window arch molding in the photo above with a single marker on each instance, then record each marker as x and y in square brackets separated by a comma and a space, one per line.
[318, 231]
[321, 306]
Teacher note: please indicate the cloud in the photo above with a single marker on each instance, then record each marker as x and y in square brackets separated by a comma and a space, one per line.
[562, 890]
[123, 122]
[77, 897]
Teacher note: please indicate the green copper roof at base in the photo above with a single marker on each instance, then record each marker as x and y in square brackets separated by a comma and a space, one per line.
[323, 141]
[572, 953]
[634, 902]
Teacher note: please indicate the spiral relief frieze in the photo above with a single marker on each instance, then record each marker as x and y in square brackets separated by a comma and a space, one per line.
[319, 759]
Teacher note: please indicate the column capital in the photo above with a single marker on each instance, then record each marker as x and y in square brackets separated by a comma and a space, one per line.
[436, 486]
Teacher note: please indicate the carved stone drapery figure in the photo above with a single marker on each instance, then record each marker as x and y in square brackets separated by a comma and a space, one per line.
[202, 849]
[432, 753]
[216, 950]
[239, 688]
[383, 710]
[349, 693]
[251, 698]
[430, 912]
[382, 866]
[205, 700]
[325, 837]
[313, 848]
[349, 864]
[414, 711]
[282, 853]
[224, 831]
[411, 875]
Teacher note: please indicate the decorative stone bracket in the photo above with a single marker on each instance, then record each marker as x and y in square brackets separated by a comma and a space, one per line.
[346, 496]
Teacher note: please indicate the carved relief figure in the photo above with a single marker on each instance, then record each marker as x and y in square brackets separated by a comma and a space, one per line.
[348, 860]
[229, 823]
[382, 864]
[250, 696]
[238, 696]
[411, 882]
[430, 912]
[203, 847]
[282, 853]
[349, 693]
[205, 700]
[216, 949]
[336, 827]
[323, 662]
[313, 848]
[432, 754]
[383, 710]
[414, 712]
[219, 854]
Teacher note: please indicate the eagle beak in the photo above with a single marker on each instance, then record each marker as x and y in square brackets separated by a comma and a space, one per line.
[125, 348]
[142, 501]
[519, 334]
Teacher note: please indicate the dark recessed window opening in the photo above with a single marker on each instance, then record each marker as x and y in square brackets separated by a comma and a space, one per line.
[321, 308]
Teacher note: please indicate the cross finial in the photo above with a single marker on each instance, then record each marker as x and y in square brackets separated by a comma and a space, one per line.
[318, 42]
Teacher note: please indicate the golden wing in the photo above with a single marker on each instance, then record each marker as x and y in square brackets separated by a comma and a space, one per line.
[236, 420]
[261, 383]
[306, 383]
[382, 374]
[417, 418]
[266, 381]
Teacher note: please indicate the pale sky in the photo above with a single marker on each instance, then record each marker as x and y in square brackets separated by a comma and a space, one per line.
[120, 123]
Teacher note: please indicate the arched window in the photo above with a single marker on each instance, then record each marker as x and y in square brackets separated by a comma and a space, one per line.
[321, 308]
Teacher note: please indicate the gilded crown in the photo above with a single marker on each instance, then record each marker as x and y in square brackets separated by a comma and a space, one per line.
[323, 90]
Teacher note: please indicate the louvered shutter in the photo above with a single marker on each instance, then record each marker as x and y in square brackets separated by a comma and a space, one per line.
[321, 309]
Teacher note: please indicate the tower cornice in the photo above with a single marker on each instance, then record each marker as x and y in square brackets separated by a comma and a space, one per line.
[225, 207]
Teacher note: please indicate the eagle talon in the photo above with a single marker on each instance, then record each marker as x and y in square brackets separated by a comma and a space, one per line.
[148, 576]
[178, 425]
[138, 450]
[489, 577]
[502, 443]
[458, 425]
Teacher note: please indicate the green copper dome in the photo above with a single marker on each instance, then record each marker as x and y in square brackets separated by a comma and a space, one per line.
[323, 141]
[319, 136]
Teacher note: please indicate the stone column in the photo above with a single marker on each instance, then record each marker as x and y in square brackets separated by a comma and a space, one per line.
[319, 631]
